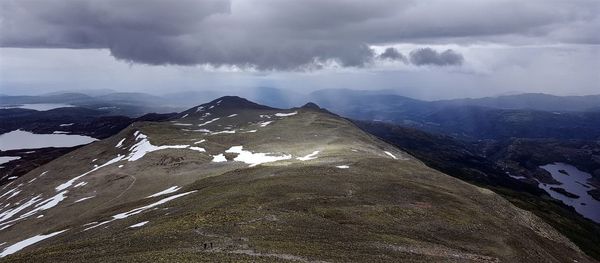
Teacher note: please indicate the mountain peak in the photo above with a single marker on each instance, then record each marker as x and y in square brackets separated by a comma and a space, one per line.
[222, 106]
[311, 105]
[235, 102]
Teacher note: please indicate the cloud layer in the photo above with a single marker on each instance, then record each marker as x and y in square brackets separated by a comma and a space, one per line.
[290, 34]
[428, 56]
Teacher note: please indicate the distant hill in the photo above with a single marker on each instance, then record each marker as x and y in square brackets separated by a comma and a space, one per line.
[532, 101]
[130, 104]
[522, 116]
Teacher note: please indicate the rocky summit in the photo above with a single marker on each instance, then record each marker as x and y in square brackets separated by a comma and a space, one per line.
[232, 180]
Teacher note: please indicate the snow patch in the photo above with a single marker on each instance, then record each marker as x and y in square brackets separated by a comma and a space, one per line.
[138, 210]
[11, 191]
[83, 199]
[143, 208]
[43, 205]
[200, 141]
[343, 166]
[222, 132]
[70, 182]
[232, 115]
[27, 242]
[120, 144]
[138, 150]
[8, 214]
[309, 156]
[208, 122]
[13, 194]
[169, 190]
[66, 124]
[391, 155]
[264, 123]
[144, 146]
[254, 158]
[286, 114]
[182, 124]
[219, 158]
[48, 203]
[140, 224]
[199, 149]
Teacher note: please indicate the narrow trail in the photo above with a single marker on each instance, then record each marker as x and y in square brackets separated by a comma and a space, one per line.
[118, 196]
[123, 192]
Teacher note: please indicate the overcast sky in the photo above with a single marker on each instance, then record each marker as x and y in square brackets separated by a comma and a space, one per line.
[428, 49]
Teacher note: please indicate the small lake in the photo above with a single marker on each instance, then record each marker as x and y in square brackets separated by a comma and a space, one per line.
[6, 159]
[26, 140]
[39, 106]
[576, 182]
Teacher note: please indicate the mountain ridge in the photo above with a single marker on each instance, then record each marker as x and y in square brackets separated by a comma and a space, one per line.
[260, 184]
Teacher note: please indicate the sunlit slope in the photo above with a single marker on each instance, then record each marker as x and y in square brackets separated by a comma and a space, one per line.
[233, 180]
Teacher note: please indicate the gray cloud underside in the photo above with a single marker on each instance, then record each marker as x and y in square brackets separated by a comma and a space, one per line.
[391, 53]
[287, 34]
[428, 56]
[423, 57]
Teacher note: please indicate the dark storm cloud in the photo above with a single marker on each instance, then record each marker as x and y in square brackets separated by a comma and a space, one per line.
[391, 53]
[428, 56]
[285, 34]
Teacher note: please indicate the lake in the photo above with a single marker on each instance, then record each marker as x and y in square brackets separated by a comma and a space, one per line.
[6, 159]
[576, 182]
[26, 140]
[40, 106]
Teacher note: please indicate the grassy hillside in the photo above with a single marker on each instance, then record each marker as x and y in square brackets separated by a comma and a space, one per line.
[307, 186]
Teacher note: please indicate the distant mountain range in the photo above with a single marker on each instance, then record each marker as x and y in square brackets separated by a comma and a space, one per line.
[130, 104]
[519, 116]
[533, 101]
[525, 101]
[522, 116]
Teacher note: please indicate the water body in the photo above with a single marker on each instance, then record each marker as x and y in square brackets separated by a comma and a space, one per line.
[575, 182]
[26, 140]
[40, 106]
[6, 159]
